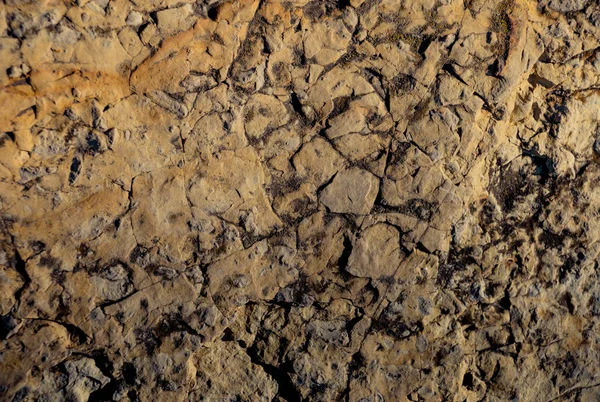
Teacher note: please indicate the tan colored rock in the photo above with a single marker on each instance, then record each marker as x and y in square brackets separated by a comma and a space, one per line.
[376, 253]
[263, 112]
[299, 200]
[231, 185]
[160, 200]
[318, 160]
[219, 368]
[174, 20]
[351, 191]
[247, 276]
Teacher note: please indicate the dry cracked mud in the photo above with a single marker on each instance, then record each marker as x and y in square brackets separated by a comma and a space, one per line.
[270, 200]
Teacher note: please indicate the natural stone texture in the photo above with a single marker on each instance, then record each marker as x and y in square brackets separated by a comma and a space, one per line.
[376, 253]
[352, 191]
[267, 200]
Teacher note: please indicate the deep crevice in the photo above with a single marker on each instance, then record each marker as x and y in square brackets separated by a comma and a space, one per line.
[286, 389]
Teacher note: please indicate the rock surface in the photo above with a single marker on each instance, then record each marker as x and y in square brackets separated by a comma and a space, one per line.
[268, 200]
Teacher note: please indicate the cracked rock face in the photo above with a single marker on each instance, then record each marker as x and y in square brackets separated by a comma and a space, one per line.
[268, 200]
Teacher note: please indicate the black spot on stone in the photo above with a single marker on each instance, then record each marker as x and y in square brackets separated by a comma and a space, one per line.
[424, 45]
[494, 69]
[457, 261]
[92, 143]
[37, 246]
[398, 155]
[296, 105]
[391, 326]
[544, 165]
[129, 373]
[340, 105]
[509, 187]
[403, 83]
[50, 262]
[7, 324]
[314, 10]
[4, 137]
[420, 208]
[551, 240]
[75, 169]
[228, 335]
[556, 113]
[139, 256]
[213, 13]
[21, 394]
[468, 381]
[59, 276]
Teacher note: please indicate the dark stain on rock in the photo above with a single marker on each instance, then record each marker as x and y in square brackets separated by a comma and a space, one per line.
[75, 169]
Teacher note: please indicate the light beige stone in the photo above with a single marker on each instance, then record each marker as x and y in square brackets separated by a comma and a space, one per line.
[351, 191]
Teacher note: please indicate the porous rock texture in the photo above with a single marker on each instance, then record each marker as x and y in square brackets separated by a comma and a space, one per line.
[270, 200]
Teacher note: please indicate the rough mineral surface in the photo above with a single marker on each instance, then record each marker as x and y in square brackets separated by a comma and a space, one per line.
[271, 200]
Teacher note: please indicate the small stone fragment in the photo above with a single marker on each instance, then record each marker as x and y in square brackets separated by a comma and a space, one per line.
[134, 18]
